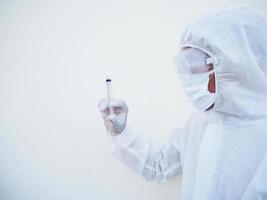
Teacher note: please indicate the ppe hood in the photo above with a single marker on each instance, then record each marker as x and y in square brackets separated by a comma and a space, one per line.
[236, 38]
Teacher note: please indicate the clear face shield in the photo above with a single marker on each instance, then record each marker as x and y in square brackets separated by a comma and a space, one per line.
[195, 68]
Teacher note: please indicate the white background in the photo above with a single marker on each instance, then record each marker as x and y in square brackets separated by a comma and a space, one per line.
[54, 57]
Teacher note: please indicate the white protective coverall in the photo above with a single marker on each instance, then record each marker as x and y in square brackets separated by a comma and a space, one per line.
[221, 152]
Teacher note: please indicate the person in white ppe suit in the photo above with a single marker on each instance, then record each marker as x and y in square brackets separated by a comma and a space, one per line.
[221, 150]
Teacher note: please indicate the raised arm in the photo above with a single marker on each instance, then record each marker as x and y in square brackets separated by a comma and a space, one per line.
[154, 161]
[151, 160]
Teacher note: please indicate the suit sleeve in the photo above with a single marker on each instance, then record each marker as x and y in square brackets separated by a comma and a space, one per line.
[151, 160]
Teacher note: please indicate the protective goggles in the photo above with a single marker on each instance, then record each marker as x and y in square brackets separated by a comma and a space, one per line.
[193, 61]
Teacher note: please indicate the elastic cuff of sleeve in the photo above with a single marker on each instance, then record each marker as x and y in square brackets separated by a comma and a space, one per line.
[124, 138]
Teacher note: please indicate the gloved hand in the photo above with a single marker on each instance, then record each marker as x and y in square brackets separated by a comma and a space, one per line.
[115, 123]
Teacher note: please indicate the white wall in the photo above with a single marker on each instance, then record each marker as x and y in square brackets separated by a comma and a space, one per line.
[54, 57]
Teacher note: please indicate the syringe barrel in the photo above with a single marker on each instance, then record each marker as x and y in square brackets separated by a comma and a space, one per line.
[109, 93]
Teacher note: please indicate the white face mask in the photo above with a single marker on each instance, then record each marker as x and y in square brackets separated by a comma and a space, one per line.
[196, 88]
[194, 70]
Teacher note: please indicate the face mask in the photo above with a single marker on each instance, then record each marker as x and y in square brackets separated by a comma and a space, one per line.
[196, 88]
[194, 67]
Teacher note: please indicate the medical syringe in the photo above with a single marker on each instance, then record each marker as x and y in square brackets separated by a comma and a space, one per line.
[109, 93]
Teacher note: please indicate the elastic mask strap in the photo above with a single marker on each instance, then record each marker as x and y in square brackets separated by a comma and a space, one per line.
[210, 72]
